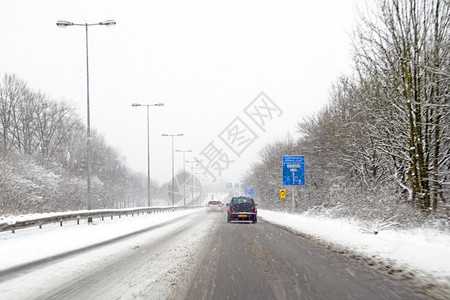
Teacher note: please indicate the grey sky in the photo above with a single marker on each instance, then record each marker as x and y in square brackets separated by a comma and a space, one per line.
[205, 60]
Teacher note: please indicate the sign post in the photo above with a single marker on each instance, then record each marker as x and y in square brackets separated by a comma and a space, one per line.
[293, 172]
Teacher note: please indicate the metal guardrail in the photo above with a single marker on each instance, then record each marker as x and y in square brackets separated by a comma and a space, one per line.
[77, 216]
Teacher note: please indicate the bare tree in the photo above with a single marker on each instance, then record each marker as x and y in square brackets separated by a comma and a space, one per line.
[12, 91]
[43, 157]
[403, 50]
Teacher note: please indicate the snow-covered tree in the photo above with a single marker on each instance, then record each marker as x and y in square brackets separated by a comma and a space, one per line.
[43, 157]
[402, 51]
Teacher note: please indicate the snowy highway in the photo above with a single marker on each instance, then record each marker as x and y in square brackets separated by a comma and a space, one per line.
[195, 255]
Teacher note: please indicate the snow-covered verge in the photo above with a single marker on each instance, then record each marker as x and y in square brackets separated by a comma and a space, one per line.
[31, 244]
[163, 264]
[422, 253]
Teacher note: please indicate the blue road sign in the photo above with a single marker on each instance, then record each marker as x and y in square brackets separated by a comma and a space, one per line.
[250, 192]
[293, 170]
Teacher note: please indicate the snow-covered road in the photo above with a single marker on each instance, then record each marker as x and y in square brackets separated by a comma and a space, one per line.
[163, 256]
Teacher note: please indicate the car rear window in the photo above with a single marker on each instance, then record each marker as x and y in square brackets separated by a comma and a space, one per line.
[241, 200]
[214, 202]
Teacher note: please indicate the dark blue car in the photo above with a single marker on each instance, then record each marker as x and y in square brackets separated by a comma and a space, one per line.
[242, 209]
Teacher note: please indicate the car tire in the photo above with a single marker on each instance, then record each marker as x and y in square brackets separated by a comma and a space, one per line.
[254, 221]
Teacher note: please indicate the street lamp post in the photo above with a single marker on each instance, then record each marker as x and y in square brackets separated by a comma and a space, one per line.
[184, 175]
[64, 24]
[172, 135]
[148, 145]
[192, 178]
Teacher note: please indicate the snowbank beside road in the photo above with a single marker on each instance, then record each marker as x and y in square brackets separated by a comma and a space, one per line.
[148, 265]
[32, 244]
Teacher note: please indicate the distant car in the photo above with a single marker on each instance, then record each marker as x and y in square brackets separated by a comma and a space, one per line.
[213, 206]
[242, 209]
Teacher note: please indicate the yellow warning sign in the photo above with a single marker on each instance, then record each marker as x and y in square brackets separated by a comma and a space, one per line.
[282, 194]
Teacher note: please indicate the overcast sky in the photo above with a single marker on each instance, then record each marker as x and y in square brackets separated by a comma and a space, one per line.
[208, 61]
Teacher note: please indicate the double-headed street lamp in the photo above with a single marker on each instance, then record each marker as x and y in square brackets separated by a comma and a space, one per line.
[173, 179]
[148, 145]
[64, 24]
[184, 174]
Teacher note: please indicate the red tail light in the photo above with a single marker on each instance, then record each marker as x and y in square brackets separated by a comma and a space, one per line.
[207, 205]
[220, 205]
[256, 211]
[229, 211]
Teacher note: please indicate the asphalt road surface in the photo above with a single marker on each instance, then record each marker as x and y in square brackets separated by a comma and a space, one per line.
[201, 256]
[262, 261]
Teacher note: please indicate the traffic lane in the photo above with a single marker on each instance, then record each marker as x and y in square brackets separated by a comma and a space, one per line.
[228, 269]
[305, 270]
[249, 261]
